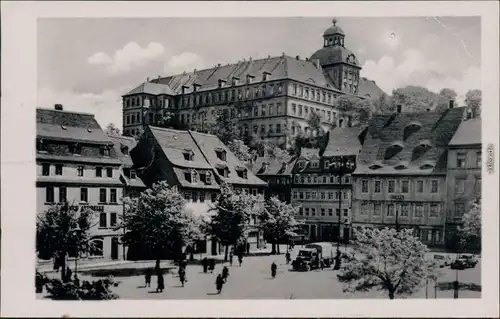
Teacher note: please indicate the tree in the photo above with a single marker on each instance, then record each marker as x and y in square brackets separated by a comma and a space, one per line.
[346, 103]
[232, 213]
[112, 130]
[277, 219]
[240, 150]
[362, 112]
[225, 128]
[473, 100]
[386, 259]
[470, 231]
[444, 98]
[314, 122]
[158, 220]
[382, 104]
[414, 99]
[61, 230]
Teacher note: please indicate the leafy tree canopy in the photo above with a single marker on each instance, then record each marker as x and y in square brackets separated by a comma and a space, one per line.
[414, 99]
[386, 260]
[277, 219]
[470, 231]
[112, 130]
[473, 99]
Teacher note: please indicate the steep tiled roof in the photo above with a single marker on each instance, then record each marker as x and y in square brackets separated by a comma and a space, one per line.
[369, 88]
[274, 166]
[333, 54]
[123, 141]
[469, 133]
[152, 88]
[343, 141]
[208, 144]
[69, 126]
[381, 154]
[280, 67]
[175, 143]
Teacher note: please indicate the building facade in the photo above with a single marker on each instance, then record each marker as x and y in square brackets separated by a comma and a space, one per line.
[463, 175]
[197, 164]
[77, 165]
[400, 178]
[278, 173]
[272, 98]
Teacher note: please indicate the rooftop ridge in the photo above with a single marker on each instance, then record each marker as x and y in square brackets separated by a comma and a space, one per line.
[65, 111]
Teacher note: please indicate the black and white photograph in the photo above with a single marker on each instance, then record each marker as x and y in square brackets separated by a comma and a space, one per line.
[245, 158]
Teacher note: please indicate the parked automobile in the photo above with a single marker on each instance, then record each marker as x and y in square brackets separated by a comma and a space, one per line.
[313, 255]
[441, 260]
[464, 261]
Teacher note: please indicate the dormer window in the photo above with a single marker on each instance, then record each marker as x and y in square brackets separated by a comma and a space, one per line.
[76, 148]
[400, 167]
[64, 127]
[194, 176]
[188, 154]
[410, 129]
[235, 81]
[124, 150]
[41, 145]
[426, 166]
[208, 178]
[375, 166]
[249, 78]
[221, 153]
[104, 150]
[394, 149]
[242, 172]
[133, 174]
[265, 76]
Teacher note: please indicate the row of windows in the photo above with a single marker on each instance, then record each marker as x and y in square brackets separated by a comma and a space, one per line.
[313, 94]
[74, 148]
[462, 160]
[80, 170]
[140, 101]
[403, 210]
[404, 187]
[202, 197]
[230, 95]
[303, 111]
[313, 195]
[319, 179]
[322, 211]
[103, 220]
[84, 195]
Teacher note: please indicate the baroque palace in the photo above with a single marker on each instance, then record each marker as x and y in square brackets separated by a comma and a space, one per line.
[272, 97]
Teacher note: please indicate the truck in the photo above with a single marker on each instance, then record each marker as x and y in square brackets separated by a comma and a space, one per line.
[311, 256]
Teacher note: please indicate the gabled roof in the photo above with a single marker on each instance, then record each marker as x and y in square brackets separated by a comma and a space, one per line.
[174, 144]
[343, 141]
[368, 88]
[123, 141]
[268, 165]
[207, 143]
[152, 88]
[469, 133]
[69, 126]
[385, 130]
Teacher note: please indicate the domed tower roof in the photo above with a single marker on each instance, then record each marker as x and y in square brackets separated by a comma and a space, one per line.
[334, 29]
[333, 51]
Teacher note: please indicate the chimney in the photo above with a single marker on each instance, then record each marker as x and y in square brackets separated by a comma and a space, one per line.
[58, 107]
[398, 108]
[194, 71]
[147, 79]
[218, 65]
[452, 103]
[317, 63]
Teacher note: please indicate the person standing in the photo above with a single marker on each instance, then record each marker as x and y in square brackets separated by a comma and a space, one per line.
[225, 273]
[240, 258]
[161, 282]
[287, 256]
[68, 274]
[182, 275]
[274, 268]
[219, 282]
[204, 263]
[212, 265]
[147, 277]
[231, 255]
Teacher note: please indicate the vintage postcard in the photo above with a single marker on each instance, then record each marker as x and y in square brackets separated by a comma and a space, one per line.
[275, 159]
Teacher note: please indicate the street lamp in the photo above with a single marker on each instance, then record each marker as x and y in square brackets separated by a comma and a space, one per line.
[341, 166]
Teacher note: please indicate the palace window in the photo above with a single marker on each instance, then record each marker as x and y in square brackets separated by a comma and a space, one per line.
[459, 210]
[80, 170]
[420, 186]
[301, 195]
[98, 172]
[49, 194]
[377, 187]
[84, 194]
[62, 194]
[45, 169]
[112, 195]
[390, 210]
[461, 160]
[434, 212]
[364, 186]
[405, 209]
[377, 209]
[405, 186]
[419, 210]
[221, 154]
[103, 195]
[103, 220]
[392, 186]
[460, 185]
[434, 186]
[109, 171]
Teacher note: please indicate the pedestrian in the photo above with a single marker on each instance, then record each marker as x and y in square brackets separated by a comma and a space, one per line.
[39, 282]
[161, 282]
[147, 277]
[219, 282]
[240, 258]
[231, 255]
[182, 275]
[204, 263]
[225, 273]
[76, 280]
[184, 264]
[273, 269]
[287, 256]
[212, 265]
[68, 274]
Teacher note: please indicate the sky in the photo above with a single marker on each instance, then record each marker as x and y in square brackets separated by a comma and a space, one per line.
[87, 64]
